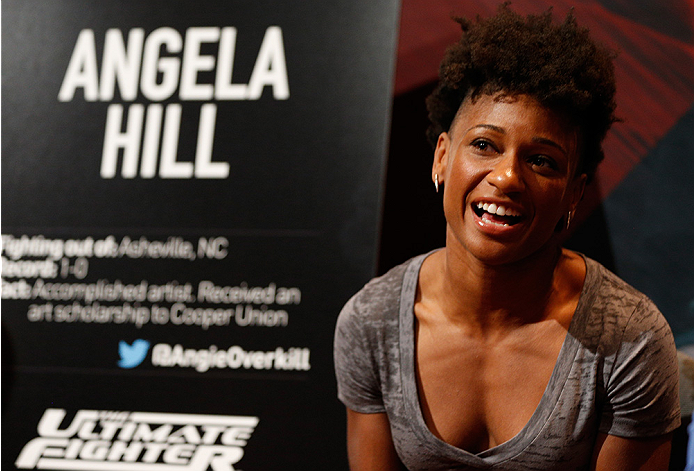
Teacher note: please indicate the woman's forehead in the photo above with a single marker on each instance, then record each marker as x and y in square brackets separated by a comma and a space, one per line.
[504, 110]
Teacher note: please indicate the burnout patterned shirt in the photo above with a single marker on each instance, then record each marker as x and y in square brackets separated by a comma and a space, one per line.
[616, 373]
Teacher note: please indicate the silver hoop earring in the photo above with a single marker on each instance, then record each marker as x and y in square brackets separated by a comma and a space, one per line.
[568, 219]
[436, 182]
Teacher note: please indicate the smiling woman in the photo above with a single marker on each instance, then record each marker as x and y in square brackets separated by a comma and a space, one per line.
[508, 153]
[503, 350]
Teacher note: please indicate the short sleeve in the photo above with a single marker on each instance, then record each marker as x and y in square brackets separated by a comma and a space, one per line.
[642, 392]
[358, 386]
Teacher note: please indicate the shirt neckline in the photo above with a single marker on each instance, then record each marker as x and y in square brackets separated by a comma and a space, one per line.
[542, 413]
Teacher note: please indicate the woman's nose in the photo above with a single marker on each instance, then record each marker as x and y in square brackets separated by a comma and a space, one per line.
[506, 174]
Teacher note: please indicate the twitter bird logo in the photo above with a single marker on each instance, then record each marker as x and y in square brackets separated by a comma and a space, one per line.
[132, 355]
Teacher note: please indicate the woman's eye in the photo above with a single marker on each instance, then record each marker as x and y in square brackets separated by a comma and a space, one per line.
[482, 145]
[542, 162]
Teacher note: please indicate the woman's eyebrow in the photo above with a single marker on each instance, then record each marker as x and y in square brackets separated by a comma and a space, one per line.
[488, 126]
[549, 142]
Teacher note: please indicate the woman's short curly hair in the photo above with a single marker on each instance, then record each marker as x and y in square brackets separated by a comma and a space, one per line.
[557, 64]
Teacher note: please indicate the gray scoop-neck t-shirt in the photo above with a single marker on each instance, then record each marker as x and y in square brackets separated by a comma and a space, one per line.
[616, 373]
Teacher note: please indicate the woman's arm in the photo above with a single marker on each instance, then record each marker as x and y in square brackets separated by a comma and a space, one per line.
[369, 443]
[613, 453]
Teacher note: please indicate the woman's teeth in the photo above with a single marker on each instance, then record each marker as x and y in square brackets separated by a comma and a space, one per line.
[497, 209]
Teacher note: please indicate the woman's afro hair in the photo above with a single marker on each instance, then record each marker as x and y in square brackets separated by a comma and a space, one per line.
[557, 64]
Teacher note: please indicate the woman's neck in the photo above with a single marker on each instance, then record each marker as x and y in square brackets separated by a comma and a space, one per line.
[491, 297]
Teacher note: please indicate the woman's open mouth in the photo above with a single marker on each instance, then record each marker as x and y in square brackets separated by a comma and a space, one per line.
[497, 214]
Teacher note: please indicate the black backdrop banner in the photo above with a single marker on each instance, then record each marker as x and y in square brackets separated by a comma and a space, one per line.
[190, 192]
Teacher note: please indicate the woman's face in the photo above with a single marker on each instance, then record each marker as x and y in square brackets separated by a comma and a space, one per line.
[508, 167]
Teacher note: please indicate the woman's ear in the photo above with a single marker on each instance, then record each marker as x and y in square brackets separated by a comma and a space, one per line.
[438, 168]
